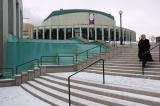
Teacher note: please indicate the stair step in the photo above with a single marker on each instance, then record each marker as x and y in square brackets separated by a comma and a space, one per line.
[129, 71]
[107, 94]
[62, 81]
[64, 95]
[155, 77]
[47, 98]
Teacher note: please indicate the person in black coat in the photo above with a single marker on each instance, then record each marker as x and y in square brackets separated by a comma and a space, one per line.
[143, 49]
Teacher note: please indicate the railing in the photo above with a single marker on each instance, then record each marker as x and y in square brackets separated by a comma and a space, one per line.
[86, 52]
[30, 63]
[143, 55]
[56, 59]
[69, 92]
[7, 74]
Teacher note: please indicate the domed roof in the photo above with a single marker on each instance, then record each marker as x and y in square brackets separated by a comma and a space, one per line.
[61, 12]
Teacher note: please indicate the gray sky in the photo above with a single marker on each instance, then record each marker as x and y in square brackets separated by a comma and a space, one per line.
[141, 16]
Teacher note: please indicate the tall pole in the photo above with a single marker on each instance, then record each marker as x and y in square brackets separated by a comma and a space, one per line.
[121, 37]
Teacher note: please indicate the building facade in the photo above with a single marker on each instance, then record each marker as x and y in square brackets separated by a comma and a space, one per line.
[11, 19]
[88, 24]
[27, 30]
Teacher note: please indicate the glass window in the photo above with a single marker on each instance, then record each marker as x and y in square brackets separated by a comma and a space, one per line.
[54, 34]
[106, 34]
[61, 34]
[91, 34]
[46, 34]
[34, 34]
[84, 33]
[99, 34]
[68, 33]
[76, 32]
[40, 34]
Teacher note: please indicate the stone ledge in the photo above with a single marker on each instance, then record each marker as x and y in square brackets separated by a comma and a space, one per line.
[7, 82]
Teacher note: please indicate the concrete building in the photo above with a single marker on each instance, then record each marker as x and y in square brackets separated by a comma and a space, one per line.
[89, 24]
[11, 19]
[27, 30]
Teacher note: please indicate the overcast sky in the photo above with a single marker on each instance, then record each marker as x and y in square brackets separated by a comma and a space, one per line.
[141, 16]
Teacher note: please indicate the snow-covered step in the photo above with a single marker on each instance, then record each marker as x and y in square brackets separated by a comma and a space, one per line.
[63, 81]
[125, 68]
[47, 98]
[156, 77]
[105, 94]
[131, 62]
[63, 94]
[128, 71]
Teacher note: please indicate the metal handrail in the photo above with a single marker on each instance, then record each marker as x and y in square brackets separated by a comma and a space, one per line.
[143, 60]
[86, 51]
[12, 69]
[69, 92]
[58, 58]
[37, 60]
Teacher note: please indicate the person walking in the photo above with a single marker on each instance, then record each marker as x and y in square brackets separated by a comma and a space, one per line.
[144, 49]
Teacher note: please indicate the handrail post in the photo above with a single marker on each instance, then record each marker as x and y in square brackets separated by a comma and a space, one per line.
[16, 70]
[58, 60]
[100, 49]
[41, 61]
[12, 72]
[76, 58]
[69, 92]
[87, 54]
[73, 59]
[103, 73]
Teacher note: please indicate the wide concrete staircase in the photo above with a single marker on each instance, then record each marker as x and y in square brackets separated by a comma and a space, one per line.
[53, 87]
[127, 64]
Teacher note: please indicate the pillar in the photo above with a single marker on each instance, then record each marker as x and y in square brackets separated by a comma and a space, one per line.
[57, 33]
[95, 31]
[50, 33]
[64, 33]
[109, 35]
[80, 32]
[88, 33]
[102, 33]
[37, 33]
[72, 31]
[43, 32]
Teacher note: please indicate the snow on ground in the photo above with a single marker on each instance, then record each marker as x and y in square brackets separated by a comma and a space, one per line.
[137, 83]
[16, 96]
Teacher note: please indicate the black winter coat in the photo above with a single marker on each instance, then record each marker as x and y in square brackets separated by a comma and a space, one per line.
[144, 46]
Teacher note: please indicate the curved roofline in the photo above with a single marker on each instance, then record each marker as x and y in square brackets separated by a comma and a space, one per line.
[68, 11]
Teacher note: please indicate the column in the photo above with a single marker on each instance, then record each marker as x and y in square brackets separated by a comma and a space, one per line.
[37, 33]
[14, 17]
[64, 33]
[114, 36]
[43, 33]
[31, 33]
[88, 33]
[80, 32]
[57, 33]
[50, 33]
[123, 35]
[102, 33]
[95, 31]
[72, 31]
[119, 32]
[109, 34]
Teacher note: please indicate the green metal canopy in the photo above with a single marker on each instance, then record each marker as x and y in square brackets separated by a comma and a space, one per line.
[61, 12]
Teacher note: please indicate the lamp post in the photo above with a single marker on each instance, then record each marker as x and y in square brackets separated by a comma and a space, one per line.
[121, 37]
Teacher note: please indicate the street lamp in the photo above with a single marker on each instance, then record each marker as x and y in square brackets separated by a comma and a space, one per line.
[121, 37]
